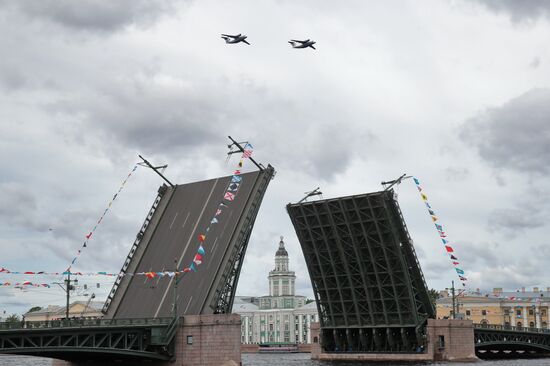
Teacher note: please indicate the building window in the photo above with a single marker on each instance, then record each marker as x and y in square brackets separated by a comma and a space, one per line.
[483, 312]
[189, 339]
[468, 312]
[506, 311]
[519, 324]
[484, 322]
[441, 341]
[531, 325]
[544, 324]
[518, 312]
[530, 311]
[271, 327]
[543, 312]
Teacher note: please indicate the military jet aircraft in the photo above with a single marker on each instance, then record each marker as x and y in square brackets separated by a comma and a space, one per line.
[234, 39]
[302, 44]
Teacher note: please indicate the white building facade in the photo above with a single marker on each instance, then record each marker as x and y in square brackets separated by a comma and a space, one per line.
[280, 317]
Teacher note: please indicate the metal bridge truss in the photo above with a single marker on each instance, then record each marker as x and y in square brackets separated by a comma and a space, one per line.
[224, 295]
[370, 290]
[495, 341]
[162, 189]
[73, 340]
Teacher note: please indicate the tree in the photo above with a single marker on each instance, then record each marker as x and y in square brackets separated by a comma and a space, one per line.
[35, 308]
[13, 318]
[434, 295]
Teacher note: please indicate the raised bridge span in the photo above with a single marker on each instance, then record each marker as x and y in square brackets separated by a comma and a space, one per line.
[139, 323]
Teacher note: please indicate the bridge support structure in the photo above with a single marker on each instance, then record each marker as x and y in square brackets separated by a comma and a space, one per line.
[209, 340]
[446, 340]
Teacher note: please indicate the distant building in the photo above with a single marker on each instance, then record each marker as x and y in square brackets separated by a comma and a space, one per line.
[280, 317]
[78, 309]
[520, 308]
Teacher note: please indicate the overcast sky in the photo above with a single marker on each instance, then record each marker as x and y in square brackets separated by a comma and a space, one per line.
[456, 93]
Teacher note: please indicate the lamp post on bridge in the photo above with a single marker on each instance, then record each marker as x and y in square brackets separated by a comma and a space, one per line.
[453, 296]
[68, 287]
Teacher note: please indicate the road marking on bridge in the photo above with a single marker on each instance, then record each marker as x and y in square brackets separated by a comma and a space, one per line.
[174, 219]
[184, 221]
[191, 237]
[188, 303]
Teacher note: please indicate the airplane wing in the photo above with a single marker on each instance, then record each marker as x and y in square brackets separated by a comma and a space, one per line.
[228, 35]
[295, 40]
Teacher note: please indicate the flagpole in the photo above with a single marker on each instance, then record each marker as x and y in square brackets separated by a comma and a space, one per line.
[242, 150]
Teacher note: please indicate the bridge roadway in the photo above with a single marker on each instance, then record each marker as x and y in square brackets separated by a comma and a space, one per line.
[91, 339]
[497, 341]
[187, 214]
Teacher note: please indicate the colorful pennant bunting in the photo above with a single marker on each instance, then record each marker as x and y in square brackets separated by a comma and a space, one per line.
[448, 248]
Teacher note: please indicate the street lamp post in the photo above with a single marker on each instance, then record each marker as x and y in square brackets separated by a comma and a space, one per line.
[68, 287]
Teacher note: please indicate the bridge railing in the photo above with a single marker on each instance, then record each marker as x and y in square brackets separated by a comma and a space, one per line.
[511, 328]
[88, 323]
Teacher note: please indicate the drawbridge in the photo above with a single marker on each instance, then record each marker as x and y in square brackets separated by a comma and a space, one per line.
[370, 291]
[139, 322]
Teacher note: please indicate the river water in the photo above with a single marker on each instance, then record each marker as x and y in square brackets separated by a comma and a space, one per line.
[292, 359]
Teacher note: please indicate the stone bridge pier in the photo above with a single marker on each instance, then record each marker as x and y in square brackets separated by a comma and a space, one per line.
[201, 340]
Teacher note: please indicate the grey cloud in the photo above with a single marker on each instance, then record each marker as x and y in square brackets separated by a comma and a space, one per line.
[482, 253]
[95, 15]
[456, 173]
[515, 136]
[514, 221]
[519, 11]
[16, 204]
[535, 63]
[163, 115]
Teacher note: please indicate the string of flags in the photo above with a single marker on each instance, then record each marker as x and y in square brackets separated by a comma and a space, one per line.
[24, 284]
[229, 196]
[89, 235]
[442, 235]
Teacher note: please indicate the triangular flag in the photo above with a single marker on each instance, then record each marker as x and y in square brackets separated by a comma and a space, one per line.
[237, 172]
[214, 221]
[89, 235]
[236, 179]
[424, 197]
[416, 181]
[202, 237]
[434, 218]
[453, 257]
[201, 250]
[449, 249]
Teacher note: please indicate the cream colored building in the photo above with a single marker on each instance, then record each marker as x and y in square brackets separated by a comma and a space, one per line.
[78, 309]
[280, 317]
[518, 309]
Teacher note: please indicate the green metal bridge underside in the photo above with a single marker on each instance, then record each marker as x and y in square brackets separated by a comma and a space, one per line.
[76, 340]
[370, 291]
[496, 341]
